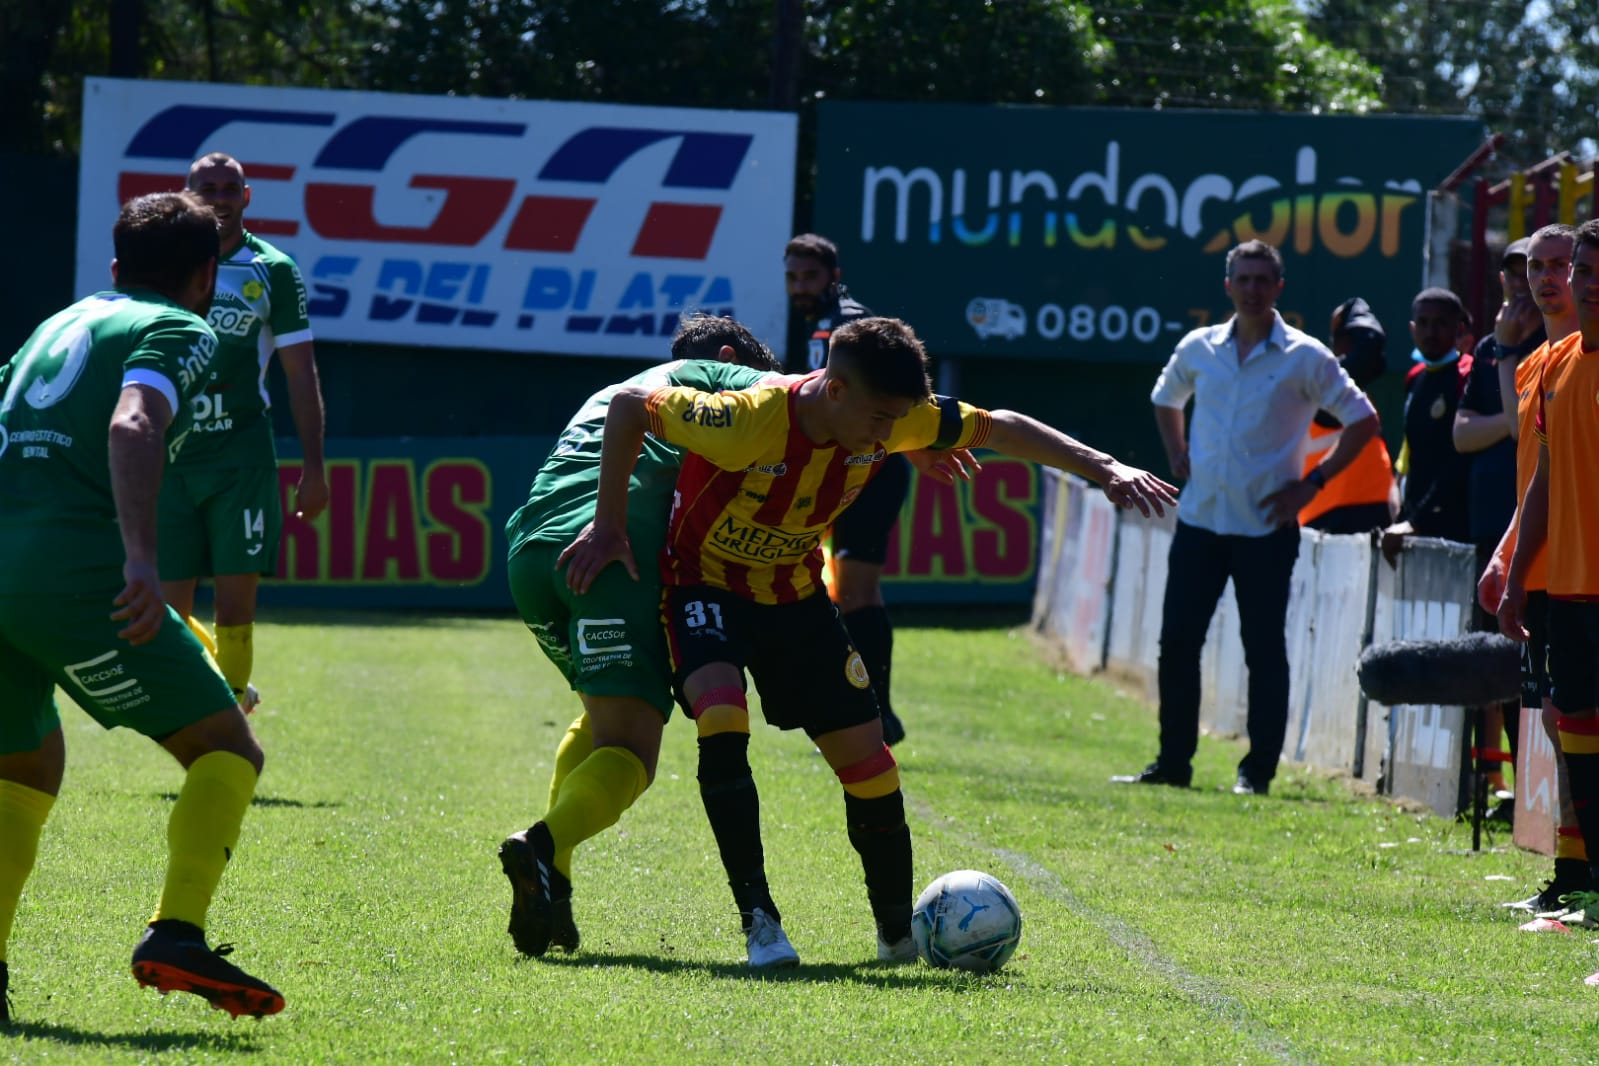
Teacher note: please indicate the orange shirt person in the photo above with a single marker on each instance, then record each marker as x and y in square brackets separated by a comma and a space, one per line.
[1561, 506]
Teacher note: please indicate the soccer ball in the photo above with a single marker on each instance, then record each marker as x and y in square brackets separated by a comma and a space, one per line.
[966, 920]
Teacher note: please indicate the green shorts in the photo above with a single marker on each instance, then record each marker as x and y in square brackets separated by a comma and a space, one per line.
[606, 642]
[154, 689]
[219, 520]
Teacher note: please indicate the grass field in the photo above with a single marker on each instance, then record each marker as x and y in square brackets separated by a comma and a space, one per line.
[1313, 926]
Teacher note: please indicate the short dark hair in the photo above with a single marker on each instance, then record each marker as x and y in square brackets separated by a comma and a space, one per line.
[1554, 229]
[813, 246]
[162, 239]
[1256, 250]
[213, 159]
[1586, 234]
[1437, 295]
[701, 336]
[884, 355]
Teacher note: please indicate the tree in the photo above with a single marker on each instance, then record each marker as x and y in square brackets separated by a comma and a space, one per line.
[1525, 69]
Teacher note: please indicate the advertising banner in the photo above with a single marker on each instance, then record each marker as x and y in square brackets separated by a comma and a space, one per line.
[1096, 234]
[420, 523]
[460, 222]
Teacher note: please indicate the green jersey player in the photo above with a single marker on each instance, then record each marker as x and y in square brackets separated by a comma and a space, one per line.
[92, 405]
[220, 511]
[608, 641]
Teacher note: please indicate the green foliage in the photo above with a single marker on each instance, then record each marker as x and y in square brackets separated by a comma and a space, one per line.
[1526, 69]
[1160, 925]
[1228, 54]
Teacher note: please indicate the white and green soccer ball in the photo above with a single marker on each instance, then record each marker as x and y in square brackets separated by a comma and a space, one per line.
[966, 920]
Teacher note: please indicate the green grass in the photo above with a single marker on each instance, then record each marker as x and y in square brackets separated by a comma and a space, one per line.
[1160, 925]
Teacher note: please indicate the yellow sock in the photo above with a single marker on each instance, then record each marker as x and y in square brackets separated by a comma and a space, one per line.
[595, 795]
[22, 814]
[203, 635]
[202, 833]
[575, 746]
[236, 655]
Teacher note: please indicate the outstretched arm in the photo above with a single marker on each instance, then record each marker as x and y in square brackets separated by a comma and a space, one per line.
[604, 540]
[1023, 437]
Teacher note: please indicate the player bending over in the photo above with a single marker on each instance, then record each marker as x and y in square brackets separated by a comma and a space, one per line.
[771, 467]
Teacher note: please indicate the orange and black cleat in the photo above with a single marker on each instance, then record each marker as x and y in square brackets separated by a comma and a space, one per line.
[172, 957]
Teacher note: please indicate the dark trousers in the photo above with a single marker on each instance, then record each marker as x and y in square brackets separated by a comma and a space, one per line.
[1197, 571]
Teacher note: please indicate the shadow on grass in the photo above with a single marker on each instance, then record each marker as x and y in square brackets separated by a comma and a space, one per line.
[875, 974]
[269, 801]
[72, 1036]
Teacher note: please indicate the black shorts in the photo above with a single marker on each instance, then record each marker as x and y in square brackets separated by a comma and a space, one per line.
[1573, 655]
[1535, 653]
[861, 533]
[807, 671]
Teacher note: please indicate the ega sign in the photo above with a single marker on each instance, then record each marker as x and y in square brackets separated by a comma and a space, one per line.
[471, 223]
[1097, 234]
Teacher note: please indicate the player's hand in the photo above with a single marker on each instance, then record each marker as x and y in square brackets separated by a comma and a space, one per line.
[1392, 541]
[1179, 465]
[139, 604]
[1518, 318]
[945, 466]
[311, 494]
[1128, 486]
[1284, 505]
[592, 551]
[1491, 586]
[1512, 612]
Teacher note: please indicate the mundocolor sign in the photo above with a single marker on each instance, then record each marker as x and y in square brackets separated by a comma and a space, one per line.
[1101, 235]
[520, 225]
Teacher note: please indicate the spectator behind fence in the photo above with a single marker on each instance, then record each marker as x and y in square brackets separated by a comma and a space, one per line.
[1364, 497]
[1256, 383]
[1433, 490]
[1482, 434]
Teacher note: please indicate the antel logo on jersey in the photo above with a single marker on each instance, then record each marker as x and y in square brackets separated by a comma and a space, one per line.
[600, 636]
[471, 206]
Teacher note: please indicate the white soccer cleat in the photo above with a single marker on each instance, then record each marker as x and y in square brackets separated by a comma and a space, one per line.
[768, 944]
[249, 699]
[901, 952]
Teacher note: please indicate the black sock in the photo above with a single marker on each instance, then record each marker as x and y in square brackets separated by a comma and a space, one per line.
[878, 832]
[733, 807]
[873, 636]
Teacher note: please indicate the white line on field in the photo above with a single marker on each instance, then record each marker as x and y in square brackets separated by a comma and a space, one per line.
[1129, 938]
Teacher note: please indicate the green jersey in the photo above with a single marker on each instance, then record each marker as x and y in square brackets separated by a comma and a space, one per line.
[259, 307]
[561, 501]
[58, 522]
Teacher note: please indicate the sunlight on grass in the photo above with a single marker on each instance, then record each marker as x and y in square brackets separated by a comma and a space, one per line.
[1160, 924]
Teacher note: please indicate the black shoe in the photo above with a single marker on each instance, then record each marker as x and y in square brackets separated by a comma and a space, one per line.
[1245, 787]
[893, 729]
[1502, 813]
[5, 995]
[1156, 774]
[528, 859]
[172, 957]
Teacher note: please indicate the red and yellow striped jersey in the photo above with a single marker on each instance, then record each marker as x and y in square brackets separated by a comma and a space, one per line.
[756, 496]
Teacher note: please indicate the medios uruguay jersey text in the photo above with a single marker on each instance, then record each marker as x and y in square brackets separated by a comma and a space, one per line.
[756, 496]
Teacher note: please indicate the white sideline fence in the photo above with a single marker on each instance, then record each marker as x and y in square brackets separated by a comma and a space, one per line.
[1101, 580]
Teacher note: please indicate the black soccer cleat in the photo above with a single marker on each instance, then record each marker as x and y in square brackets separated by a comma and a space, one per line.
[172, 957]
[528, 859]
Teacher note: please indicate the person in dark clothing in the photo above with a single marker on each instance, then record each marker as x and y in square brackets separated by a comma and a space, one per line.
[820, 303]
[1482, 433]
[1435, 495]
